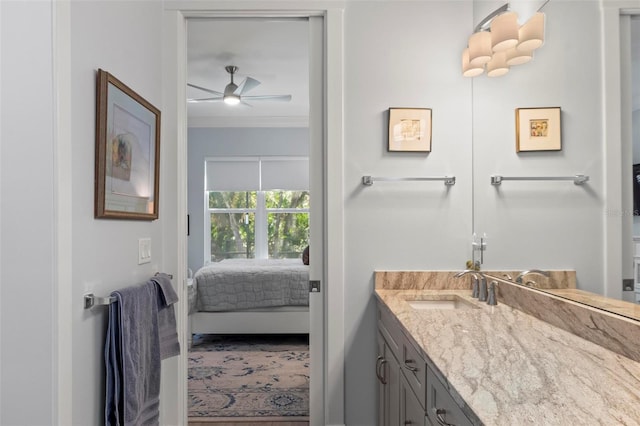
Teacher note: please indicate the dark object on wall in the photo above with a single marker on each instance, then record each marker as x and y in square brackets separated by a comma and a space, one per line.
[305, 255]
[636, 189]
[127, 168]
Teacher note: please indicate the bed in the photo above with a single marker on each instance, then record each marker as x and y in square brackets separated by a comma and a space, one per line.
[250, 296]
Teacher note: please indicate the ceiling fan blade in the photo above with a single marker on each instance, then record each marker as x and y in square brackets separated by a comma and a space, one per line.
[195, 101]
[213, 92]
[248, 84]
[280, 98]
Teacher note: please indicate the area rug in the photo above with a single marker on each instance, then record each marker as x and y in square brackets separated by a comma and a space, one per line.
[249, 376]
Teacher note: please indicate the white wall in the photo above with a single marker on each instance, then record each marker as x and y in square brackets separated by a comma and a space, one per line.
[400, 54]
[27, 256]
[230, 142]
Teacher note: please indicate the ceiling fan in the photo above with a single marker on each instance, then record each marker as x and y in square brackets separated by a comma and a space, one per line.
[234, 94]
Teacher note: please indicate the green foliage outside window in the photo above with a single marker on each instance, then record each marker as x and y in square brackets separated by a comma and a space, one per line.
[233, 231]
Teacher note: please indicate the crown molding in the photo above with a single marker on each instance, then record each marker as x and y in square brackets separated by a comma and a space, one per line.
[290, 121]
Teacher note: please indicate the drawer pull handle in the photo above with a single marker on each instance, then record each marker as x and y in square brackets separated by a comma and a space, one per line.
[410, 367]
[408, 422]
[380, 358]
[440, 412]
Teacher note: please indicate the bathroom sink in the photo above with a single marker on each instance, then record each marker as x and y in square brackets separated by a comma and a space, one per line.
[452, 302]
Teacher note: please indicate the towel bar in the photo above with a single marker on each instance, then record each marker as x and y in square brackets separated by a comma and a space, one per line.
[369, 180]
[90, 300]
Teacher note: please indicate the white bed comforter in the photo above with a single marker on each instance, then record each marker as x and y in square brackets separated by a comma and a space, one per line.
[236, 284]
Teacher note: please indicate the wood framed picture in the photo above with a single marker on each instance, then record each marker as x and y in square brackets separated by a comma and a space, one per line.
[127, 152]
[538, 129]
[409, 130]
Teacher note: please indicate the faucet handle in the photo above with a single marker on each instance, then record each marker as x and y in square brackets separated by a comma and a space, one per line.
[482, 292]
[491, 299]
[474, 287]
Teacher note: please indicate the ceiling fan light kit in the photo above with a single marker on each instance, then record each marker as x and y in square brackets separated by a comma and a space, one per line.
[235, 94]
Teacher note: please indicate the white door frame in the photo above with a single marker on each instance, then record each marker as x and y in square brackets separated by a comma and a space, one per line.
[328, 409]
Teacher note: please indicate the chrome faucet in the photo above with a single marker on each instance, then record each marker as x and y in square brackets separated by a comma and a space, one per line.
[475, 291]
[531, 271]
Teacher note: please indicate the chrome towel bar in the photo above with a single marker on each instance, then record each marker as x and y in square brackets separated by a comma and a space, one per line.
[90, 300]
[577, 179]
[369, 180]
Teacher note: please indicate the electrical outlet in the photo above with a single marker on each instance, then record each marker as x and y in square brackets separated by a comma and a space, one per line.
[144, 250]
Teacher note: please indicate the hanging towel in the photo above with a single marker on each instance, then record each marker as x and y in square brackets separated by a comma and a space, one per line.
[169, 344]
[132, 358]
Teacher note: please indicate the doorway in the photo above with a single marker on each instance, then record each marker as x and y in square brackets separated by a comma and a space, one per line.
[314, 148]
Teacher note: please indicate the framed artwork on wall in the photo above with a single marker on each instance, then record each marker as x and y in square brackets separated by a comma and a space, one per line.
[127, 152]
[538, 129]
[409, 130]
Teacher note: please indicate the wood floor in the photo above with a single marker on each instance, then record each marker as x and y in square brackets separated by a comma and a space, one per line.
[248, 421]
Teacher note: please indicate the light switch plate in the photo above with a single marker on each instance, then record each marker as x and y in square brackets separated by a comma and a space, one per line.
[144, 250]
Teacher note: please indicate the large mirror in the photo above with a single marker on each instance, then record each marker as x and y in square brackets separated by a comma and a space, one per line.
[559, 224]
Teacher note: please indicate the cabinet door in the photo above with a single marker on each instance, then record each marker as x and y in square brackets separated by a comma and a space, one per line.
[392, 374]
[411, 411]
[383, 389]
[388, 375]
[441, 407]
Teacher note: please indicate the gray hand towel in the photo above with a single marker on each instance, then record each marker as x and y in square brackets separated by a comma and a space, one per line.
[132, 356]
[169, 344]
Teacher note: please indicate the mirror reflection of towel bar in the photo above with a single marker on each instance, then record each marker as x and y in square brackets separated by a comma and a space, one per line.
[577, 179]
[369, 180]
[90, 300]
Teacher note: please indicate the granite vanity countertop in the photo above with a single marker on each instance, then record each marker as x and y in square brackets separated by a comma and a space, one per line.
[511, 368]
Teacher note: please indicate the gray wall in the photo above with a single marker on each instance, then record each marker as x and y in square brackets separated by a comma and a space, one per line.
[400, 54]
[230, 142]
[103, 253]
[27, 216]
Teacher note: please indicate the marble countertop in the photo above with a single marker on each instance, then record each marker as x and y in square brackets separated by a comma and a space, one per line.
[514, 369]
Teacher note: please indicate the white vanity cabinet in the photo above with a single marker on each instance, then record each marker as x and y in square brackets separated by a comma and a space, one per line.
[409, 393]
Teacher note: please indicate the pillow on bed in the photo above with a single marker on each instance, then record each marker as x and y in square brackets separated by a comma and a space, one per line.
[305, 255]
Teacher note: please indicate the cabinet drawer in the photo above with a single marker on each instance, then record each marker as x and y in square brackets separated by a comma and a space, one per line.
[391, 331]
[441, 407]
[415, 369]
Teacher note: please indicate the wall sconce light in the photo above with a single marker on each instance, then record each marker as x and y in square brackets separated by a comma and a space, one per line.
[499, 42]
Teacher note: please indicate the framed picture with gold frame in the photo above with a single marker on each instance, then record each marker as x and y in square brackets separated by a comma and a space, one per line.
[538, 129]
[127, 152]
[409, 130]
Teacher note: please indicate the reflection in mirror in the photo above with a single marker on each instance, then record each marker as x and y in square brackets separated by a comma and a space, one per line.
[552, 225]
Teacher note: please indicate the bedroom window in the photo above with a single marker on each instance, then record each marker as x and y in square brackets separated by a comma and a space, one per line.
[256, 208]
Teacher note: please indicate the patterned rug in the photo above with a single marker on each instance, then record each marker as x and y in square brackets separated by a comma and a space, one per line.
[249, 376]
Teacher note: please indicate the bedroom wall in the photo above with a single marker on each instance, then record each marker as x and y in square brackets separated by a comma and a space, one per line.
[229, 142]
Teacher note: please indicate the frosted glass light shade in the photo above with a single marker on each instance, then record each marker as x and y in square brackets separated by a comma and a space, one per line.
[497, 66]
[469, 70]
[532, 33]
[480, 48]
[504, 31]
[518, 57]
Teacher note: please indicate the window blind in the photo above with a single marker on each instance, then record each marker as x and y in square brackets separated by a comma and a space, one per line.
[264, 174]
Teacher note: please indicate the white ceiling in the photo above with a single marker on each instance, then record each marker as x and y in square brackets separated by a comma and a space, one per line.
[274, 52]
